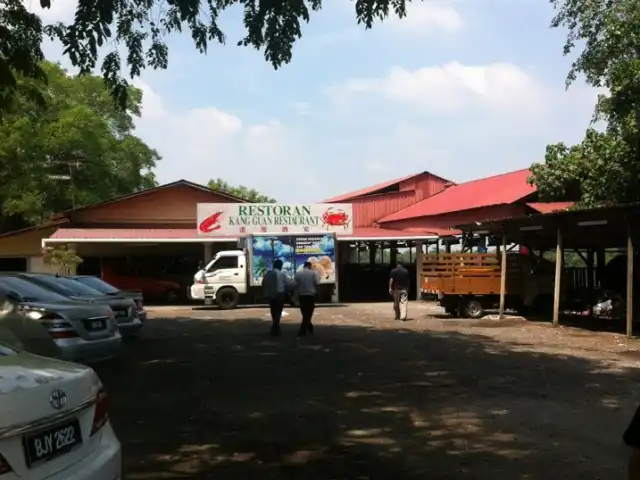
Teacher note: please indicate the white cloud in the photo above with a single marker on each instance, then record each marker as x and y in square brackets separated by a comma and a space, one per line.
[60, 11]
[428, 16]
[204, 143]
[452, 88]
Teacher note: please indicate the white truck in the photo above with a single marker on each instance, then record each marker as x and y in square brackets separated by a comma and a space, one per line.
[235, 276]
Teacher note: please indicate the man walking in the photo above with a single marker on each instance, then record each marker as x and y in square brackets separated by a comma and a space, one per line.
[306, 285]
[274, 284]
[399, 289]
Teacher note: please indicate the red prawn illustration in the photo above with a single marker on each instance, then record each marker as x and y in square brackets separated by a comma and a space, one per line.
[335, 218]
[211, 223]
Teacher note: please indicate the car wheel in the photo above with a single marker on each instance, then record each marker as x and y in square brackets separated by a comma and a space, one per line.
[227, 298]
[473, 309]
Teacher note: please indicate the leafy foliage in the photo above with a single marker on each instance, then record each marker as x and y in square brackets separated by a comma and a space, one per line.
[78, 149]
[605, 167]
[63, 258]
[241, 191]
[140, 27]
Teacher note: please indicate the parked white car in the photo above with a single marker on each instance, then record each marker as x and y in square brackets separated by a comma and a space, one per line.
[54, 423]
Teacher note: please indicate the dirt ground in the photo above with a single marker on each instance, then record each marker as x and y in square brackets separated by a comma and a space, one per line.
[208, 394]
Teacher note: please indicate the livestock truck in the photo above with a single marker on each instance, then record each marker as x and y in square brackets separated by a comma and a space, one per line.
[233, 277]
[467, 284]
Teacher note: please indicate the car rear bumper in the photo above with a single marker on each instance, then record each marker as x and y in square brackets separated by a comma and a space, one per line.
[104, 463]
[81, 350]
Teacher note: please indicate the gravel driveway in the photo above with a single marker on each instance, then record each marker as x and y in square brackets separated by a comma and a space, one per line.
[208, 394]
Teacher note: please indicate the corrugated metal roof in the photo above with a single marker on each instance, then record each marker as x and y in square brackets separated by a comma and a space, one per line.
[499, 189]
[191, 234]
[548, 207]
[374, 188]
[132, 234]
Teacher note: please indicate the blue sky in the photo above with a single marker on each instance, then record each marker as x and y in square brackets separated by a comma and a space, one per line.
[462, 88]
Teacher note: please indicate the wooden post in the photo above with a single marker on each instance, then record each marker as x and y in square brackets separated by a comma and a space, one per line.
[591, 279]
[419, 270]
[558, 279]
[503, 276]
[630, 262]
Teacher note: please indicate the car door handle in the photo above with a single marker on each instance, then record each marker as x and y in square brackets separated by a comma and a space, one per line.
[236, 274]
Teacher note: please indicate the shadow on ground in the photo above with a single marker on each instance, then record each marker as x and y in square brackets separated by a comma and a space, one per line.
[218, 399]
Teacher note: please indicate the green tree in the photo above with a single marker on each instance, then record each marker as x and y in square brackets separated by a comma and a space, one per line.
[241, 191]
[77, 149]
[605, 167]
[139, 29]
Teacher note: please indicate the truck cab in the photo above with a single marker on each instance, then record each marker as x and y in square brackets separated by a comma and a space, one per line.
[223, 280]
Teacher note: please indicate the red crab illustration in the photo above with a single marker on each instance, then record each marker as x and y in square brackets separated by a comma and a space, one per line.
[211, 223]
[336, 218]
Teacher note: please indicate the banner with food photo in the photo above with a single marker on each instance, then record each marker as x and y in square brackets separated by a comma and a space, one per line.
[319, 250]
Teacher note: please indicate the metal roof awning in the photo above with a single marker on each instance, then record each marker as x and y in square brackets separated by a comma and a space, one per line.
[372, 234]
[190, 235]
[130, 235]
[605, 227]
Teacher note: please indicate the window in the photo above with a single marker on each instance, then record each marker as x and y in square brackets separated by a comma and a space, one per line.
[30, 291]
[224, 262]
[66, 286]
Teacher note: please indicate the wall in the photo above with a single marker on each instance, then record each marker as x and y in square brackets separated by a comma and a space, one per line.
[369, 209]
[24, 244]
[452, 219]
[175, 205]
[424, 186]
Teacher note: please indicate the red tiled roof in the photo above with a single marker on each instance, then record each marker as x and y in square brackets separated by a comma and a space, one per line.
[548, 207]
[372, 189]
[497, 190]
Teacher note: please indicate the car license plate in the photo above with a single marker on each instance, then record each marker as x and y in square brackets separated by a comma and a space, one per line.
[52, 442]
[95, 325]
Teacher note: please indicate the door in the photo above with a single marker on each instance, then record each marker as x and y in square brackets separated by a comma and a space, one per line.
[227, 271]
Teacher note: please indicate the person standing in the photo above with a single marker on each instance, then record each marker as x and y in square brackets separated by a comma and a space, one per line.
[399, 290]
[306, 286]
[274, 285]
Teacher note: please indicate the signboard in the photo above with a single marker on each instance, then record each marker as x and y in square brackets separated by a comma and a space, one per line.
[237, 219]
[319, 250]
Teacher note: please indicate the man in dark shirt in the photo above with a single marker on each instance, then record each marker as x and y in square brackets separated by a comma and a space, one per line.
[399, 289]
[632, 438]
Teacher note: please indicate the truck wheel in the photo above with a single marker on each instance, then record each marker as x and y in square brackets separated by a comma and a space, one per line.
[473, 309]
[227, 298]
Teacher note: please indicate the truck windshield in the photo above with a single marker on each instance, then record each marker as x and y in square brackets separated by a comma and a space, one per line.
[223, 262]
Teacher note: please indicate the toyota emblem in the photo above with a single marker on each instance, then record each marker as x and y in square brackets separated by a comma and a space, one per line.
[58, 399]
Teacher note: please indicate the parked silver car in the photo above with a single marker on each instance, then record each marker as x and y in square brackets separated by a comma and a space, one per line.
[124, 309]
[82, 331]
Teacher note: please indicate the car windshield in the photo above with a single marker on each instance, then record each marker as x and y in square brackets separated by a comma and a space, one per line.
[66, 285]
[99, 285]
[30, 292]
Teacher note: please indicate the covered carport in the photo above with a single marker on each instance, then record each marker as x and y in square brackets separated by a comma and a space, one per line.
[588, 232]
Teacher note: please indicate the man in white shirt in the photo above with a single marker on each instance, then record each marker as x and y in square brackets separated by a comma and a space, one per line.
[306, 285]
[274, 285]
